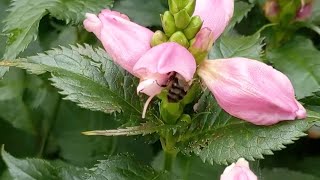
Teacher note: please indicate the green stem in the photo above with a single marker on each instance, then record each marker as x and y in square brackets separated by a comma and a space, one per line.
[169, 158]
[170, 152]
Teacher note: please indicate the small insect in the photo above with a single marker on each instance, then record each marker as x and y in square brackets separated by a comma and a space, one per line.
[177, 88]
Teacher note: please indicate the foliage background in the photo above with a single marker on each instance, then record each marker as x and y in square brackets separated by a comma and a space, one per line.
[38, 122]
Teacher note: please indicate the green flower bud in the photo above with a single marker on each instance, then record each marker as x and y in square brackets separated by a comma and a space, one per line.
[182, 19]
[179, 38]
[173, 6]
[158, 38]
[170, 112]
[191, 6]
[193, 28]
[168, 23]
[185, 118]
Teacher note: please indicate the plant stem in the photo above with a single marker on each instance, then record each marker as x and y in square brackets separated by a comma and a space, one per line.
[169, 158]
[170, 152]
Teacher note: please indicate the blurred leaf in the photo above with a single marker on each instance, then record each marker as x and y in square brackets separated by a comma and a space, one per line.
[126, 168]
[190, 167]
[12, 107]
[315, 18]
[229, 46]
[280, 174]
[312, 100]
[79, 73]
[241, 10]
[143, 12]
[218, 137]
[299, 60]
[40, 169]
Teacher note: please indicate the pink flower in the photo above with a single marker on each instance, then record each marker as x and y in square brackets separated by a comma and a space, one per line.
[215, 14]
[238, 171]
[129, 46]
[251, 90]
[124, 41]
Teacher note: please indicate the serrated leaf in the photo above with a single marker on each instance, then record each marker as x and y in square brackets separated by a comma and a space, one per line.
[88, 77]
[34, 169]
[22, 23]
[73, 11]
[299, 60]
[237, 46]
[125, 168]
[143, 12]
[241, 9]
[217, 137]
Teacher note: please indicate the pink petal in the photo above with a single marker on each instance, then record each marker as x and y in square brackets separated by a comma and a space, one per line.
[124, 41]
[238, 171]
[215, 14]
[166, 58]
[251, 90]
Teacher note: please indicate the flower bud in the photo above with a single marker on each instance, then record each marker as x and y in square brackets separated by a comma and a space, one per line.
[305, 11]
[201, 44]
[180, 38]
[271, 10]
[173, 6]
[124, 41]
[215, 14]
[251, 90]
[190, 7]
[238, 171]
[158, 38]
[168, 23]
[193, 28]
[170, 112]
[182, 19]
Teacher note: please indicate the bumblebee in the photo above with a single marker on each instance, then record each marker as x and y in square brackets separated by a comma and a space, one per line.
[177, 88]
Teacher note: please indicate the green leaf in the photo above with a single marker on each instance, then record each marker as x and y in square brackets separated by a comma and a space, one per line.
[217, 137]
[22, 23]
[312, 100]
[190, 167]
[125, 168]
[88, 77]
[281, 173]
[237, 46]
[12, 107]
[241, 11]
[299, 60]
[31, 169]
[143, 12]
[73, 11]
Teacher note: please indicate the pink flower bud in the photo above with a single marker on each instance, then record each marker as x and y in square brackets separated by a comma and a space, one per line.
[271, 10]
[251, 90]
[123, 40]
[215, 14]
[304, 11]
[154, 67]
[238, 171]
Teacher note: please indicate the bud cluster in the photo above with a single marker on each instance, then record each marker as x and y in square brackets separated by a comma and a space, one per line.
[178, 24]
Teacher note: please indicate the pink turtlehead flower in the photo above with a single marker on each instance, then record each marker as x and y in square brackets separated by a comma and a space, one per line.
[215, 14]
[129, 46]
[251, 90]
[156, 66]
[238, 171]
[124, 41]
